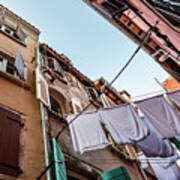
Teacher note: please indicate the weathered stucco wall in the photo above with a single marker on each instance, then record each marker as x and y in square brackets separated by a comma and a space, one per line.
[23, 101]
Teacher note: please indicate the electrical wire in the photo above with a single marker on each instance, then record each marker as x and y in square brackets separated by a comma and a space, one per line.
[111, 83]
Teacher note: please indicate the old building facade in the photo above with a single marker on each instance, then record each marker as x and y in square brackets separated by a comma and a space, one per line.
[136, 18]
[21, 144]
[70, 92]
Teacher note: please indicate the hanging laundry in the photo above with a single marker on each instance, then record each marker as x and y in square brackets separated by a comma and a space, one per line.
[170, 173]
[19, 64]
[153, 145]
[163, 162]
[161, 115]
[123, 124]
[87, 133]
[175, 96]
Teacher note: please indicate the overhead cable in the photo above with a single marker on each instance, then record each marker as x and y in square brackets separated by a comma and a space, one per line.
[111, 83]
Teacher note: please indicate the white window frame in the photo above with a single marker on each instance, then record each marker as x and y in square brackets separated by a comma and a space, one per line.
[12, 32]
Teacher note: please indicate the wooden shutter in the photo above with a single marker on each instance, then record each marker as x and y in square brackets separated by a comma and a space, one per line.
[59, 162]
[2, 17]
[10, 126]
[20, 33]
[119, 173]
[42, 89]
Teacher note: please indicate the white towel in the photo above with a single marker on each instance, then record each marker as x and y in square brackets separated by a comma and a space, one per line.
[87, 133]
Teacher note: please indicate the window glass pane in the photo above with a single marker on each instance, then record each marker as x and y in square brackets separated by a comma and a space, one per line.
[50, 63]
[1, 63]
[10, 68]
[55, 105]
[7, 31]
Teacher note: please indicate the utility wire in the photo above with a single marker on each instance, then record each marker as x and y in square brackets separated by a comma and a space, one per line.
[112, 81]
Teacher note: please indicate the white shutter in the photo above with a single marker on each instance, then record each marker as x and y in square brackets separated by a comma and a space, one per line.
[76, 105]
[42, 90]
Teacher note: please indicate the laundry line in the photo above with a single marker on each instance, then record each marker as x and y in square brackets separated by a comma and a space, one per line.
[159, 122]
[148, 34]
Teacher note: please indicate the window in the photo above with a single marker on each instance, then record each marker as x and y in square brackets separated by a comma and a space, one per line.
[93, 95]
[8, 30]
[10, 142]
[17, 34]
[55, 106]
[8, 66]
[55, 65]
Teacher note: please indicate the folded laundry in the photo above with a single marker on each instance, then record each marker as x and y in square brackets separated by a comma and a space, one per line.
[153, 145]
[87, 133]
[161, 115]
[123, 124]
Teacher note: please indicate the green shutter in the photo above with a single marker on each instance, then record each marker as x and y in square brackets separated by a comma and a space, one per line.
[60, 168]
[119, 173]
[176, 142]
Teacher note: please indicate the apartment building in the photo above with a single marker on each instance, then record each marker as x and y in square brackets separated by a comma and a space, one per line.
[21, 143]
[70, 91]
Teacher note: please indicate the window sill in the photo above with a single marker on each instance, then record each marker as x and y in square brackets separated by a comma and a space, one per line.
[13, 38]
[15, 80]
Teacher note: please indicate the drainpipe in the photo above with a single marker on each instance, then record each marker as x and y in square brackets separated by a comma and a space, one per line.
[43, 121]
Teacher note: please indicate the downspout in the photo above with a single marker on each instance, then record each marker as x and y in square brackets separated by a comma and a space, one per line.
[43, 120]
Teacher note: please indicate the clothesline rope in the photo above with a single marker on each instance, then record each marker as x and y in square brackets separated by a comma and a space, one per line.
[112, 81]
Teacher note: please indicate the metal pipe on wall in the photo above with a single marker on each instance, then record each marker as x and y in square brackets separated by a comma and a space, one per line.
[43, 120]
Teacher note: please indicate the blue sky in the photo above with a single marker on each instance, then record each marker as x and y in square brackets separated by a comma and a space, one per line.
[94, 46]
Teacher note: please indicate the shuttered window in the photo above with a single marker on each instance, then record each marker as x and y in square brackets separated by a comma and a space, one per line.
[119, 173]
[10, 127]
[93, 95]
[55, 65]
